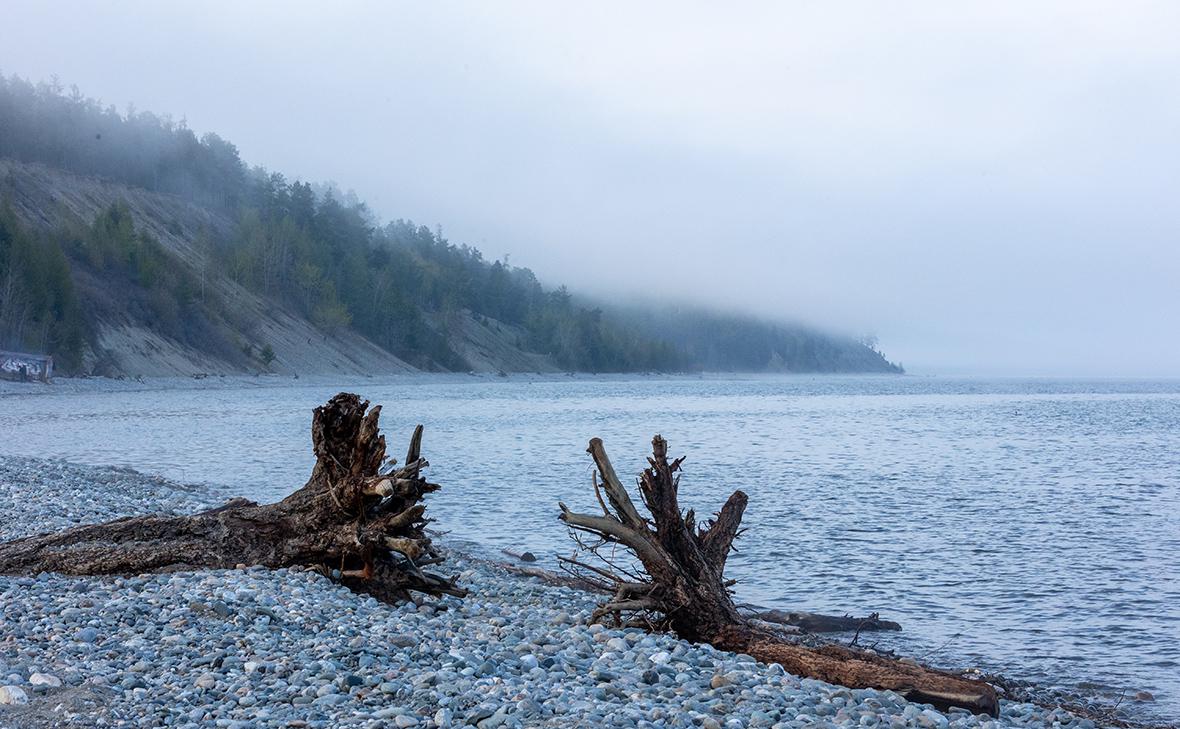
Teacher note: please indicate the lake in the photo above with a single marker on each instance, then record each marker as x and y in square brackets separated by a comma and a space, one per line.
[1030, 527]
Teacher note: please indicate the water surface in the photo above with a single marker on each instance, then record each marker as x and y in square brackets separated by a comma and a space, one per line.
[1025, 526]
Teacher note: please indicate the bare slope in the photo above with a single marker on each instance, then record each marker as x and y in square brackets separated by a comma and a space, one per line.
[157, 277]
[45, 198]
[489, 345]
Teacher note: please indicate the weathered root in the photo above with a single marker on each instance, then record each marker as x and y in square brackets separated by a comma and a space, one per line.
[357, 518]
[679, 584]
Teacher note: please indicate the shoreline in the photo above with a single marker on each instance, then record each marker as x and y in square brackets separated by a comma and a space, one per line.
[259, 647]
[70, 385]
[898, 383]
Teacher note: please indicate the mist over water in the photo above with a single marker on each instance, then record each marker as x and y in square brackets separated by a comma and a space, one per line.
[989, 189]
[1030, 527]
[986, 194]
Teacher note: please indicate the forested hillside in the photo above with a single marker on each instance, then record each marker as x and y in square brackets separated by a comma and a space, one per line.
[210, 254]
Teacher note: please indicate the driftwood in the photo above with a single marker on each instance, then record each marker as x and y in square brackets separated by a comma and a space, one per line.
[522, 556]
[818, 623]
[357, 519]
[680, 585]
[804, 622]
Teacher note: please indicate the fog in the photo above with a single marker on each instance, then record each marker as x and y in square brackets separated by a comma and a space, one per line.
[992, 189]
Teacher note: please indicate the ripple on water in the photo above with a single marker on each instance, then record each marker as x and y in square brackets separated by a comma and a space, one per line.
[1031, 527]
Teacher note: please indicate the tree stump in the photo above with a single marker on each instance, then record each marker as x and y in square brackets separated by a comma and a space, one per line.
[681, 586]
[357, 518]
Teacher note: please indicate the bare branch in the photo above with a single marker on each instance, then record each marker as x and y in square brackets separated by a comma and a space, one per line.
[403, 519]
[414, 453]
[610, 527]
[598, 495]
[685, 588]
[718, 538]
[630, 605]
[615, 579]
[614, 488]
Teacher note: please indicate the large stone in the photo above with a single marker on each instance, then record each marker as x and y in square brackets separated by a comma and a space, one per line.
[45, 679]
[13, 695]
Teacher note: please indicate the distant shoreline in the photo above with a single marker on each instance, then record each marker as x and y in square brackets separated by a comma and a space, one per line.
[95, 385]
[212, 382]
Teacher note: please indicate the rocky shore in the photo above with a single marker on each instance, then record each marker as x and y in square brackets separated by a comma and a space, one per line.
[289, 648]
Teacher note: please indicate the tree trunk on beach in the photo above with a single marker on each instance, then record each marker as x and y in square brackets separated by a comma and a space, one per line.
[817, 623]
[682, 587]
[357, 519]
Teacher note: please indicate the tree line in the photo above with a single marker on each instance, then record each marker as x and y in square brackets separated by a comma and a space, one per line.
[319, 253]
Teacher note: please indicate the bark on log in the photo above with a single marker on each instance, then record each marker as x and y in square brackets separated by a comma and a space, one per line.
[357, 519]
[817, 623]
[683, 587]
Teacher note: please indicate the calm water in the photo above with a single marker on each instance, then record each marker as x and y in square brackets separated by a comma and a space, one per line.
[1031, 527]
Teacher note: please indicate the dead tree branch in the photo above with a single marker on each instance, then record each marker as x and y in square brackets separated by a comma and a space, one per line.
[681, 586]
[358, 518]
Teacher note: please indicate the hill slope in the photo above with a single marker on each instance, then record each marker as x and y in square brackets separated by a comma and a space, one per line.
[129, 245]
[127, 328]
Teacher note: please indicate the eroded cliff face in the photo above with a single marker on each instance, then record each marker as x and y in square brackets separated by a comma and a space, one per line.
[123, 342]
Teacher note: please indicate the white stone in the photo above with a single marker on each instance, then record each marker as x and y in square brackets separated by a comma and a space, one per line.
[45, 679]
[13, 695]
[660, 658]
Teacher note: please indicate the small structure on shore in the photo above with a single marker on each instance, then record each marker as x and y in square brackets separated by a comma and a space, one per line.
[24, 367]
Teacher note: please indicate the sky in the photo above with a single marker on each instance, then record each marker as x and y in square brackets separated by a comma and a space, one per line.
[989, 188]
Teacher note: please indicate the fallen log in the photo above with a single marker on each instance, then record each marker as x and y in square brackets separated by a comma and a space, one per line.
[805, 622]
[357, 518]
[818, 623]
[522, 556]
[679, 585]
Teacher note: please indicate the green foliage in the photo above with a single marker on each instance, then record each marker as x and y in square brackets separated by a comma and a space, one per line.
[267, 355]
[130, 274]
[403, 286]
[43, 123]
[331, 316]
[39, 308]
[113, 245]
[727, 343]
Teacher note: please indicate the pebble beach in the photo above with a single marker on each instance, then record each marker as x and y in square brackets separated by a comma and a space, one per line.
[290, 648]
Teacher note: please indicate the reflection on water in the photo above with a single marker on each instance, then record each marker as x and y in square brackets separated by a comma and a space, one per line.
[1030, 526]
